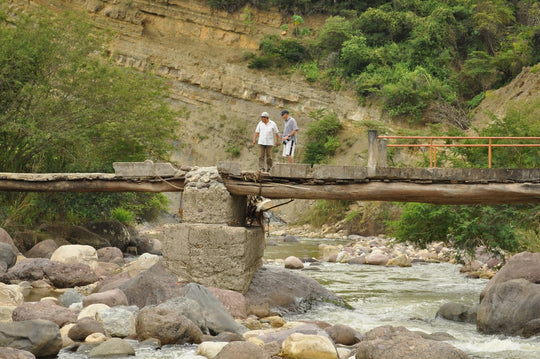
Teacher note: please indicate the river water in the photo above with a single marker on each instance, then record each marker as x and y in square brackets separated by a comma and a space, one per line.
[379, 295]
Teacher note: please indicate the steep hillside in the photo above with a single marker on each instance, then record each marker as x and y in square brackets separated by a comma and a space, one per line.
[200, 51]
[524, 89]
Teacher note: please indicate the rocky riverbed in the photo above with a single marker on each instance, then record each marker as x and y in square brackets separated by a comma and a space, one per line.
[100, 301]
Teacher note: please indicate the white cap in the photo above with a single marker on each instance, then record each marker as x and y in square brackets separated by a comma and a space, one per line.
[265, 114]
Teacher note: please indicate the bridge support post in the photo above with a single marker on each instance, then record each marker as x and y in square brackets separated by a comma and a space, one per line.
[211, 246]
[376, 152]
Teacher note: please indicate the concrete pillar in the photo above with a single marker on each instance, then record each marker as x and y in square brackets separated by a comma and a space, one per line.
[372, 148]
[381, 152]
[211, 246]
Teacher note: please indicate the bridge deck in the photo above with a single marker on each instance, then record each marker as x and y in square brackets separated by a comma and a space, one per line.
[429, 185]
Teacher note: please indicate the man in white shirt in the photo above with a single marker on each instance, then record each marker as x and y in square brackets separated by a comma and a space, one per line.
[268, 135]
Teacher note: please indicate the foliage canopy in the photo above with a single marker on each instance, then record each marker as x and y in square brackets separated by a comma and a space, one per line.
[67, 108]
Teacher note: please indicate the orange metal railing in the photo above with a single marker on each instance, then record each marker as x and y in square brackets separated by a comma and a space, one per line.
[433, 145]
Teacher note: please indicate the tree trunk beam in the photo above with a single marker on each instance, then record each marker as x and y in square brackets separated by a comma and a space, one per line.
[490, 193]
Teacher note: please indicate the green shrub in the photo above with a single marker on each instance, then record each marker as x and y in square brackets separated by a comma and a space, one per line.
[465, 227]
[123, 215]
[321, 137]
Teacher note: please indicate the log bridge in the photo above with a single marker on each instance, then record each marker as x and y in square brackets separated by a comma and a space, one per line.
[303, 181]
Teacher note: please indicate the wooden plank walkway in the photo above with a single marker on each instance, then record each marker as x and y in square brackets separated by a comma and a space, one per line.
[301, 181]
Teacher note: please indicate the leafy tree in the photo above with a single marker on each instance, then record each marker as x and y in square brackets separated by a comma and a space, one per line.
[322, 137]
[334, 33]
[465, 227]
[67, 108]
[491, 17]
[509, 227]
[355, 55]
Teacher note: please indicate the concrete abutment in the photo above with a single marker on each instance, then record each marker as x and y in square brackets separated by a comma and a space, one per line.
[212, 246]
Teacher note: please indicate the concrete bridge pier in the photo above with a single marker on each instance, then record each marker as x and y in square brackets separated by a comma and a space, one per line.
[212, 246]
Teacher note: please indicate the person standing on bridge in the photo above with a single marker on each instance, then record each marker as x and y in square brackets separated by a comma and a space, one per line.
[265, 132]
[289, 136]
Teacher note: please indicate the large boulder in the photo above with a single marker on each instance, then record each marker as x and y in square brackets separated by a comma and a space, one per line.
[203, 309]
[166, 325]
[111, 254]
[40, 337]
[6, 238]
[275, 290]
[76, 253]
[234, 302]
[389, 342]
[43, 249]
[11, 295]
[524, 265]
[75, 235]
[119, 321]
[153, 286]
[509, 307]
[7, 255]
[70, 275]
[28, 269]
[113, 231]
[44, 309]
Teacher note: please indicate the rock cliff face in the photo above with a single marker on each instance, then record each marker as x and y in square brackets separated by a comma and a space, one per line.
[200, 52]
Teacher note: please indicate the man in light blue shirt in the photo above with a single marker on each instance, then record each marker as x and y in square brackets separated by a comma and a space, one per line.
[289, 136]
[266, 131]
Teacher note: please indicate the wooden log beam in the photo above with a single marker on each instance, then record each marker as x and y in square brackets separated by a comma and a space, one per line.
[436, 193]
[95, 185]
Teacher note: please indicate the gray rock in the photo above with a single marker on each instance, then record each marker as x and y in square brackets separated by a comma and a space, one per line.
[113, 231]
[236, 350]
[45, 309]
[275, 290]
[111, 297]
[343, 334]
[524, 265]
[119, 321]
[457, 312]
[7, 254]
[43, 249]
[40, 337]
[166, 325]
[153, 286]
[28, 269]
[6, 238]
[280, 335]
[290, 239]
[531, 328]
[113, 346]
[83, 328]
[110, 254]
[69, 297]
[397, 343]
[507, 307]
[11, 353]
[216, 318]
